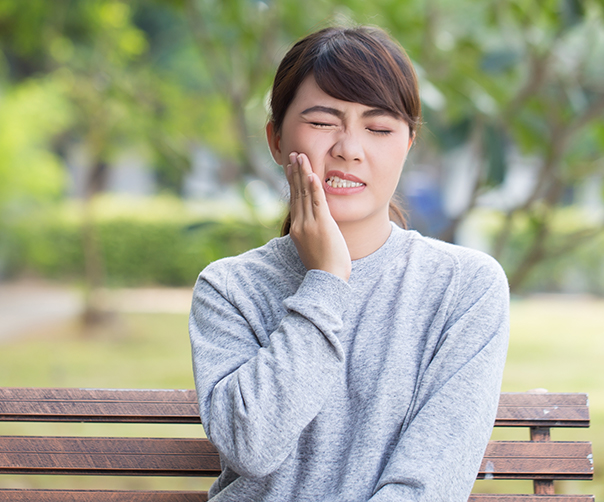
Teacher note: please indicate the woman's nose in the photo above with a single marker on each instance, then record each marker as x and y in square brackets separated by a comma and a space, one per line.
[348, 147]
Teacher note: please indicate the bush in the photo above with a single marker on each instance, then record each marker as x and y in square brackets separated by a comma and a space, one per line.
[157, 242]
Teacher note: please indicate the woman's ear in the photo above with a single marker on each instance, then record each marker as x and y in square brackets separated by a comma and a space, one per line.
[411, 140]
[274, 142]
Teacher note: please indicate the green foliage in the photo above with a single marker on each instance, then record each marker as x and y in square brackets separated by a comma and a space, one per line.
[165, 76]
[572, 260]
[145, 245]
[29, 116]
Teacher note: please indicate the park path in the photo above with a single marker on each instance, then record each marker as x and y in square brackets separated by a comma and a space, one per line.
[29, 305]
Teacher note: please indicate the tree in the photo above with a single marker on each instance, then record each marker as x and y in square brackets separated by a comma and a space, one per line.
[502, 79]
[88, 50]
[240, 43]
[510, 76]
[516, 76]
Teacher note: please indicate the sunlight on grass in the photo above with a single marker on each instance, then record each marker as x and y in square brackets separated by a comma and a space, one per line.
[133, 351]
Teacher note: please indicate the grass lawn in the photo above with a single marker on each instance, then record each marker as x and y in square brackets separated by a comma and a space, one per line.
[556, 343]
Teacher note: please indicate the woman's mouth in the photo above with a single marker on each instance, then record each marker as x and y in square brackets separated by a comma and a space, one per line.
[338, 183]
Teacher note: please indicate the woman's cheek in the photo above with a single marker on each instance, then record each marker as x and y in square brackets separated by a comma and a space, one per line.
[317, 164]
[317, 153]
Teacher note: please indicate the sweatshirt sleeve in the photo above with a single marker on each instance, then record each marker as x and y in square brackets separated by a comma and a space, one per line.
[445, 434]
[255, 400]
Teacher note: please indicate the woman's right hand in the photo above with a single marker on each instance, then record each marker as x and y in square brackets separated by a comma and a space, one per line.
[315, 233]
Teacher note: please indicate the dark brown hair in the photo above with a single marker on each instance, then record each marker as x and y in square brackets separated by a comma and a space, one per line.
[361, 65]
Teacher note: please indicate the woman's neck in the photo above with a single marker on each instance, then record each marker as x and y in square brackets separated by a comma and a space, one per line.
[366, 237]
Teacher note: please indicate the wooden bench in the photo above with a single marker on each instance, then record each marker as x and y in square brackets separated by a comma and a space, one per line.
[539, 459]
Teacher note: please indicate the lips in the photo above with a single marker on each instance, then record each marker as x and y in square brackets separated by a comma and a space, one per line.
[339, 183]
[343, 176]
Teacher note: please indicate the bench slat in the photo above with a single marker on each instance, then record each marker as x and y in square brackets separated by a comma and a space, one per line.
[108, 456]
[543, 410]
[121, 496]
[537, 460]
[99, 496]
[197, 457]
[180, 406]
[483, 497]
[98, 405]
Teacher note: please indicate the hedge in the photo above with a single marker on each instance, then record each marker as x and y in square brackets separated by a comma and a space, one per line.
[161, 241]
[136, 248]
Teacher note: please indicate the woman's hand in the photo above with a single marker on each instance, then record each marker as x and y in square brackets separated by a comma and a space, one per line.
[315, 233]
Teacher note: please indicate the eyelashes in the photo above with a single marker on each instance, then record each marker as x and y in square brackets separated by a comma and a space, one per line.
[324, 125]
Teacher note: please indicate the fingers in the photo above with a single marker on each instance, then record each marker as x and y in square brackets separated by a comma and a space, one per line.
[317, 196]
[316, 202]
[298, 173]
[315, 233]
[305, 174]
[292, 174]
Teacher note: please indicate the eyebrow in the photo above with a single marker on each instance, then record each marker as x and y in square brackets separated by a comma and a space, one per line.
[324, 109]
[373, 112]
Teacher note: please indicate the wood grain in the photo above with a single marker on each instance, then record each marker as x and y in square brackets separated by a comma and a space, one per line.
[537, 460]
[99, 496]
[108, 456]
[541, 459]
[180, 406]
[98, 405]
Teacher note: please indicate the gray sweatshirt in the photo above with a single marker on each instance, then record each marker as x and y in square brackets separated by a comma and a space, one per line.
[384, 388]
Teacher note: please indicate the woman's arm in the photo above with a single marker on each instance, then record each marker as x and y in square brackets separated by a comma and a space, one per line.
[255, 401]
[444, 436]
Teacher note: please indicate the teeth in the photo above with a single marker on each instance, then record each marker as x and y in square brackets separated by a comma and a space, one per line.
[336, 182]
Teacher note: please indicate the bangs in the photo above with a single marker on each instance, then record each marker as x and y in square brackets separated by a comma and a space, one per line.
[362, 65]
[356, 69]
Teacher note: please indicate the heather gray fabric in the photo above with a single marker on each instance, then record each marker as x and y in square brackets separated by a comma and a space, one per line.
[384, 388]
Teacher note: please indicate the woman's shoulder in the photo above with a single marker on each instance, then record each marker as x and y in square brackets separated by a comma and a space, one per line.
[466, 276]
[277, 258]
[465, 262]
[454, 251]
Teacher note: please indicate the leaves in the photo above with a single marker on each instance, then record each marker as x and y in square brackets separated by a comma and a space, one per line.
[29, 115]
[165, 76]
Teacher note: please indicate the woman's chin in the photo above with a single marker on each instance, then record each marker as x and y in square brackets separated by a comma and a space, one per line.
[342, 215]
[349, 215]
[352, 218]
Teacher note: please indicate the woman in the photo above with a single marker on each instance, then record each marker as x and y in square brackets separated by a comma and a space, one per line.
[349, 360]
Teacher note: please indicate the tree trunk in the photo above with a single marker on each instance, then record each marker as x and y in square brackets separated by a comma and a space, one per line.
[94, 313]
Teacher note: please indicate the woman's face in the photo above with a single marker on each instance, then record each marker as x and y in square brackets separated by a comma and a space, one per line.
[357, 151]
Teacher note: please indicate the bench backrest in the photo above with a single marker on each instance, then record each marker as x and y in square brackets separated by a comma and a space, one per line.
[539, 459]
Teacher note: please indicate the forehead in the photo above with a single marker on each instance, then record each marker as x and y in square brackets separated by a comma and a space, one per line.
[309, 91]
[309, 94]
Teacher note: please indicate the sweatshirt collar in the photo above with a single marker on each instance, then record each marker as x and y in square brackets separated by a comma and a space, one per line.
[394, 246]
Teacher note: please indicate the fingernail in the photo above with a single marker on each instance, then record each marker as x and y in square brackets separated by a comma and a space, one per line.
[292, 158]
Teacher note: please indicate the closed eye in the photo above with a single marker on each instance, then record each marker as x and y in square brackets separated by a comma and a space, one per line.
[381, 132]
[321, 124]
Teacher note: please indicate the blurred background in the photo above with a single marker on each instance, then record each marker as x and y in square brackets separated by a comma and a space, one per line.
[132, 154]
